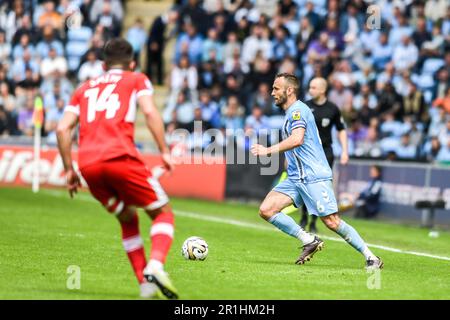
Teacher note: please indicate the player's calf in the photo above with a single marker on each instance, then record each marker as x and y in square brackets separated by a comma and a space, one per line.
[132, 242]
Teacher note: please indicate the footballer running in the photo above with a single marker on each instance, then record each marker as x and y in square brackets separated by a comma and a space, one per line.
[113, 168]
[309, 178]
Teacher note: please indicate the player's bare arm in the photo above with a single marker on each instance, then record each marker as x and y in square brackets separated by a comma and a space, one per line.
[156, 126]
[64, 134]
[293, 141]
[342, 136]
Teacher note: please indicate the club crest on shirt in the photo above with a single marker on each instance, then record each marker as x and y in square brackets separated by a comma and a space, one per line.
[325, 122]
[296, 115]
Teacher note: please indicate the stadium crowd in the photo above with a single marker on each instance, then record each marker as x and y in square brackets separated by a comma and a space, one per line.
[46, 48]
[388, 71]
[390, 80]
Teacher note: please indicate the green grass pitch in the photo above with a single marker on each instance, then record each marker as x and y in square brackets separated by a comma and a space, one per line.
[43, 234]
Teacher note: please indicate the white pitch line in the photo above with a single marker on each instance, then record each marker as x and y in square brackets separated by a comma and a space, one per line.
[249, 225]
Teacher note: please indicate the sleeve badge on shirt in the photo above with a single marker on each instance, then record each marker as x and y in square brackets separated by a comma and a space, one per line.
[296, 115]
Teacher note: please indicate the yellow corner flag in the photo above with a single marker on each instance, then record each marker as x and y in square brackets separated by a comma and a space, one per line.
[38, 121]
[38, 113]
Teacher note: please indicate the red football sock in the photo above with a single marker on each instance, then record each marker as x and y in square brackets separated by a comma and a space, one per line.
[132, 242]
[161, 234]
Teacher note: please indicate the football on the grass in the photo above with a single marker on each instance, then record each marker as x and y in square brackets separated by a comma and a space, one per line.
[194, 248]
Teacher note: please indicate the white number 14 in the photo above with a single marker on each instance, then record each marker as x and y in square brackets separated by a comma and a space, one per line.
[106, 101]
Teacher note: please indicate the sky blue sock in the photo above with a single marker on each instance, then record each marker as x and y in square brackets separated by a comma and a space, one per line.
[350, 235]
[288, 225]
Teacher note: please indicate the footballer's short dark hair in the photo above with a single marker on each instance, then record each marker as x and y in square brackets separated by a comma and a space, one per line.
[291, 80]
[118, 51]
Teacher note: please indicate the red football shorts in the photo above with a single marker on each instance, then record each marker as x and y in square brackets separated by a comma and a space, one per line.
[122, 182]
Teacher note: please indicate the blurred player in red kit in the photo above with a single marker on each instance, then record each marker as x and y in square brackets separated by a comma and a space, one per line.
[114, 170]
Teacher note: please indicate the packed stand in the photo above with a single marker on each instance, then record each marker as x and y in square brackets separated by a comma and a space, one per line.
[46, 48]
[388, 76]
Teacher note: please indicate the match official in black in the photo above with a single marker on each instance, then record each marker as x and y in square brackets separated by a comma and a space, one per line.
[327, 115]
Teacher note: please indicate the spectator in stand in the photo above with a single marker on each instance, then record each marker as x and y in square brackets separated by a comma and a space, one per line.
[421, 34]
[444, 134]
[406, 149]
[414, 105]
[7, 100]
[311, 15]
[50, 99]
[304, 38]
[231, 46]
[97, 8]
[4, 122]
[441, 84]
[209, 109]
[399, 32]
[436, 9]
[49, 16]
[264, 100]
[49, 41]
[433, 48]
[53, 116]
[282, 46]
[370, 38]
[444, 153]
[212, 47]
[5, 49]
[257, 123]
[109, 20]
[389, 101]
[391, 127]
[382, 52]
[181, 111]
[287, 9]
[156, 44]
[24, 45]
[30, 82]
[25, 119]
[137, 37]
[342, 97]
[370, 146]
[365, 113]
[26, 27]
[20, 65]
[10, 20]
[405, 54]
[209, 74]
[232, 114]
[368, 202]
[90, 69]
[189, 42]
[365, 93]
[443, 102]
[53, 64]
[351, 22]
[335, 36]
[431, 149]
[193, 12]
[318, 50]
[357, 133]
[184, 76]
[257, 42]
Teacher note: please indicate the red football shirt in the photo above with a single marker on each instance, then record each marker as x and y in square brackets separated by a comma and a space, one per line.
[106, 108]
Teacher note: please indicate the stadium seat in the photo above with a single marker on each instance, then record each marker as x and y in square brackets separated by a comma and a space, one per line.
[75, 50]
[425, 81]
[82, 34]
[431, 65]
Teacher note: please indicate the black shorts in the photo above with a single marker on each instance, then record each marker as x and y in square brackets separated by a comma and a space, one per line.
[330, 156]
